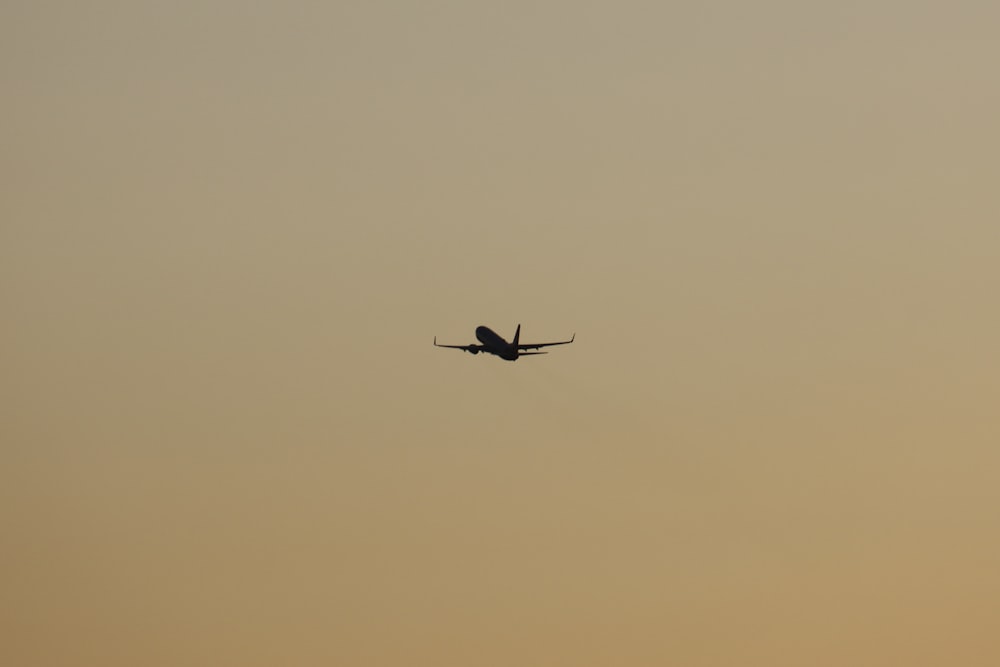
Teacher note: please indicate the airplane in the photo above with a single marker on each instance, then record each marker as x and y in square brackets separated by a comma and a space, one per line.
[492, 343]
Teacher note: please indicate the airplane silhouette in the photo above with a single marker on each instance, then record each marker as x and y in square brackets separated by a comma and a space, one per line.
[492, 343]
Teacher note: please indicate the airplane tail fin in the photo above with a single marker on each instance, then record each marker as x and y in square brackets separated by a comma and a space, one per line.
[517, 336]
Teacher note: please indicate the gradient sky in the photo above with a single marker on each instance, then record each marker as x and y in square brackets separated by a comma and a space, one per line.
[230, 230]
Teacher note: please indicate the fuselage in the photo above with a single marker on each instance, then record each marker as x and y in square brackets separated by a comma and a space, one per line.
[493, 343]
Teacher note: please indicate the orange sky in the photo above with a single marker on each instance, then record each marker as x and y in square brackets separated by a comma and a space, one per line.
[228, 236]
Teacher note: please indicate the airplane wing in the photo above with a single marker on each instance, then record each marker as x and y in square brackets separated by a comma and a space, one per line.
[535, 346]
[468, 348]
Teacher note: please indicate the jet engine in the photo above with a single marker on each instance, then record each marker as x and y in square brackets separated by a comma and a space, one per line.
[473, 350]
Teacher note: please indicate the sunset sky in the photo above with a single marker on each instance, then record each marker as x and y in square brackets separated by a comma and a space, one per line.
[229, 232]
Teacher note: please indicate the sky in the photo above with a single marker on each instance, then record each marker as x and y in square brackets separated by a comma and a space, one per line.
[229, 232]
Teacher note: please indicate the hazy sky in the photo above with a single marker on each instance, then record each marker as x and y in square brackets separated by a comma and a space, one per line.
[230, 230]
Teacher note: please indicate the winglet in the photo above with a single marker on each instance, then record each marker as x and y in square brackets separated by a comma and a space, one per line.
[517, 336]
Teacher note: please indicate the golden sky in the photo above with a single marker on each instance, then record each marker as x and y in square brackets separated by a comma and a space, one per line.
[229, 232]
